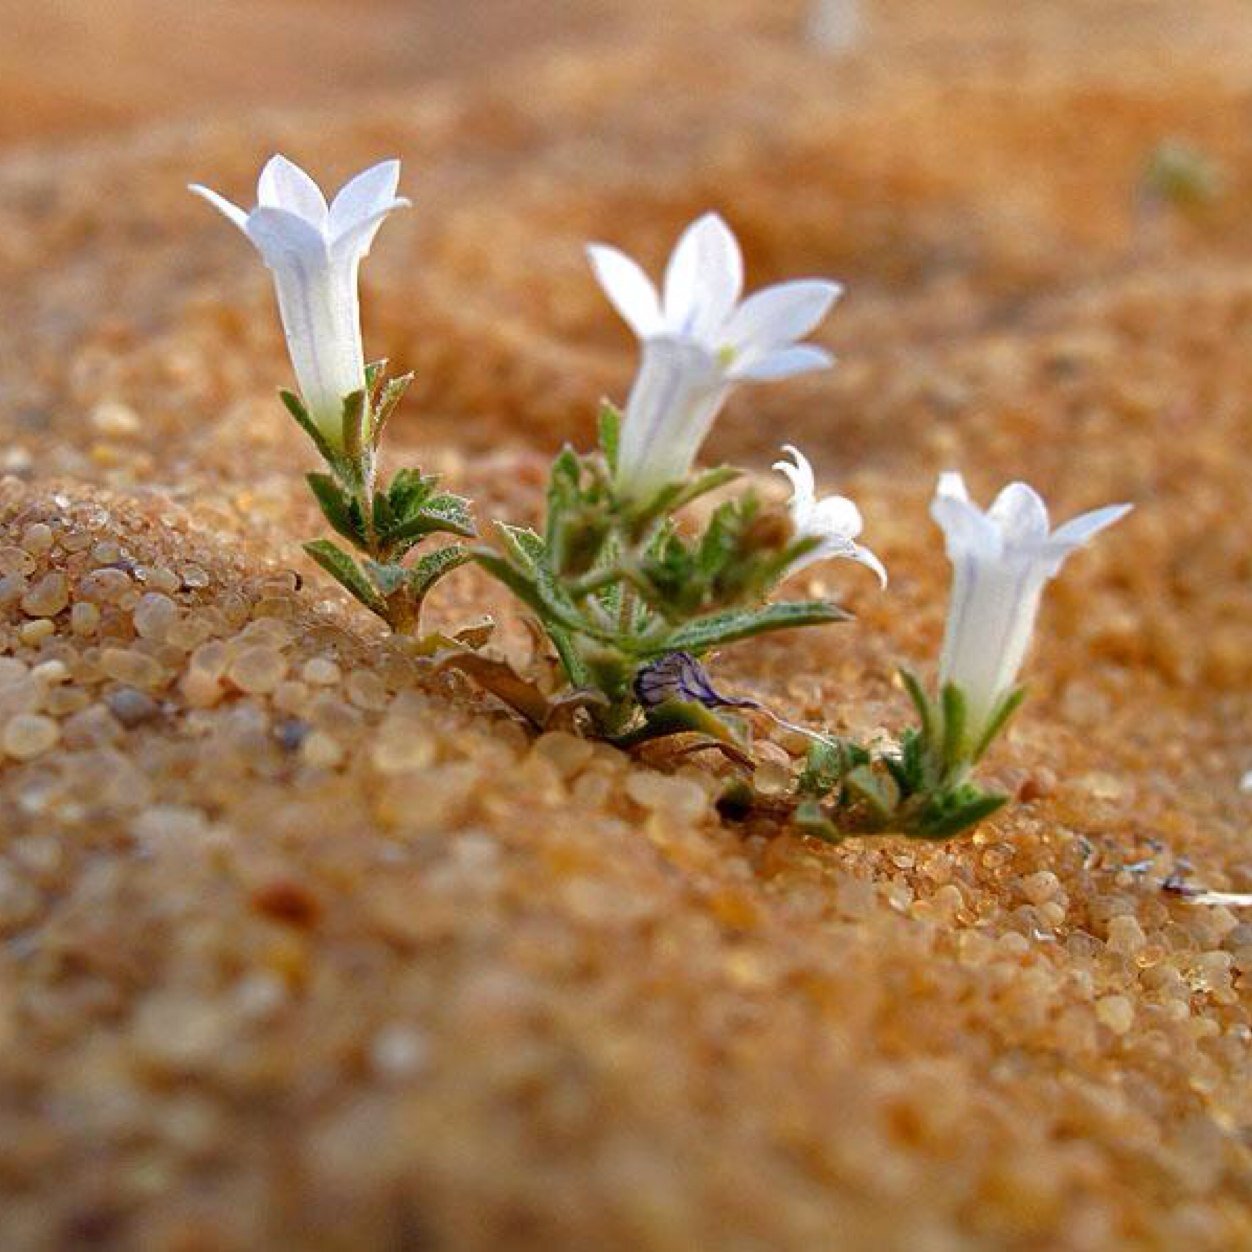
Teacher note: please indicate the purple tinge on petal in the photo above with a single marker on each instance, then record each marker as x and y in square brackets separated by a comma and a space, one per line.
[679, 676]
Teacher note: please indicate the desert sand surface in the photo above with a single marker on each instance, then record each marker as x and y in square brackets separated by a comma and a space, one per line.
[304, 947]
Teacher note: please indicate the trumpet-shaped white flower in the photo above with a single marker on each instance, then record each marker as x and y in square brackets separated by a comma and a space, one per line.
[1002, 559]
[314, 251]
[699, 340]
[834, 520]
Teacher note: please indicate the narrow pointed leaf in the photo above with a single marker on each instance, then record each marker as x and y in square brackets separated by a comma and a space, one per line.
[339, 509]
[426, 572]
[295, 407]
[998, 720]
[341, 567]
[391, 395]
[723, 628]
[610, 430]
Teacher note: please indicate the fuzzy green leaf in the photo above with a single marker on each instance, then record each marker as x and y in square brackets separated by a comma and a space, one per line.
[295, 407]
[386, 404]
[878, 792]
[533, 589]
[999, 718]
[355, 417]
[723, 628]
[387, 578]
[610, 423]
[344, 570]
[426, 572]
[956, 811]
[442, 514]
[339, 509]
[703, 483]
[408, 489]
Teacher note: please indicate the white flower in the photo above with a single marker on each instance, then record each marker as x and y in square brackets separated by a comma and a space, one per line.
[314, 252]
[1001, 560]
[835, 520]
[699, 340]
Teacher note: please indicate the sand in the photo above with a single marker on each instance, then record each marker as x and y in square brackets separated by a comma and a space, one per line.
[302, 946]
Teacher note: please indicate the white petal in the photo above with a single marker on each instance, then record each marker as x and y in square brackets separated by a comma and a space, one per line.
[283, 237]
[780, 315]
[966, 529]
[284, 185]
[1021, 515]
[628, 288]
[224, 206]
[800, 473]
[1080, 529]
[836, 516]
[786, 363]
[703, 280]
[868, 559]
[845, 550]
[370, 192]
[357, 239]
[952, 486]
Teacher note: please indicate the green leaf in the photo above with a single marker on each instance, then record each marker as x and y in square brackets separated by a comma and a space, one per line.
[954, 715]
[921, 702]
[956, 811]
[610, 423]
[355, 416]
[824, 767]
[563, 488]
[533, 590]
[408, 489]
[828, 763]
[703, 483]
[576, 669]
[341, 567]
[1009, 704]
[339, 509]
[877, 792]
[522, 545]
[426, 572]
[722, 628]
[386, 403]
[681, 717]
[373, 372]
[387, 578]
[325, 449]
[384, 517]
[809, 819]
[671, 497]
[442, 514]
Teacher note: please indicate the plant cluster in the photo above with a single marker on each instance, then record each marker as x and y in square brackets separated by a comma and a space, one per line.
[631, 595]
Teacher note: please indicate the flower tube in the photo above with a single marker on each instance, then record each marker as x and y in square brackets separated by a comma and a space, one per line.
[1001, 561]
[699, 341]
[314, 252]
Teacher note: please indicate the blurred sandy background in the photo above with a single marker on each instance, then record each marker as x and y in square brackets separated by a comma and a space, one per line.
[301, 947]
